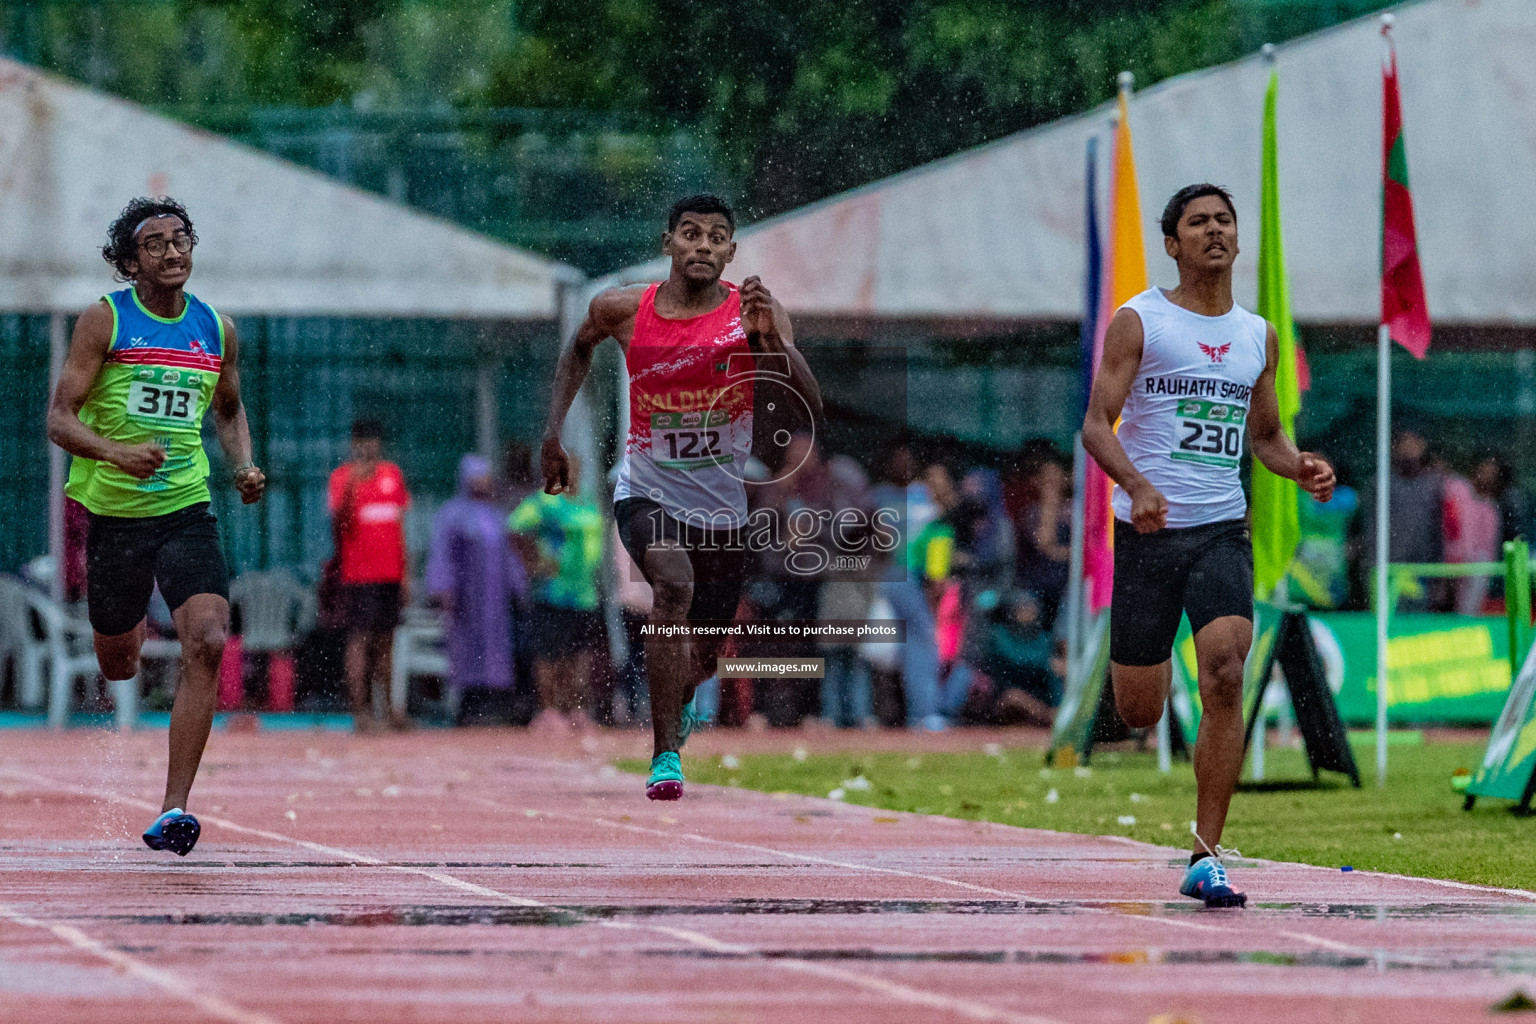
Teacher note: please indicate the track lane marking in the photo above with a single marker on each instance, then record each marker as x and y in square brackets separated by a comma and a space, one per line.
[1304, 937]
[164, 980]
[893, 990]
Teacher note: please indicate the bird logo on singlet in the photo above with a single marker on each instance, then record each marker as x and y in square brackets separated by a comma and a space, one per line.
[1215, 351]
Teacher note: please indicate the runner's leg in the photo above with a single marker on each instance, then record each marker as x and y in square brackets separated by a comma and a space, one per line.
[120, 577]
[202, 624]
[1146, 606]
[1218, 598]
[189, 567]
[669, 661]
[1220, 650]
[118, 656]
[1141, 692]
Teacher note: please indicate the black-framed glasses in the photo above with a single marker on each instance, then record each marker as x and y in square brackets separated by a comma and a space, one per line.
[156, 246]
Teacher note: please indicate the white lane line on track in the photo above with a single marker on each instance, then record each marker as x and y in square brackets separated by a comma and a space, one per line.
[848, 865]
[892, 990]
[1304, 937]
[1522, 894]
[167, 982]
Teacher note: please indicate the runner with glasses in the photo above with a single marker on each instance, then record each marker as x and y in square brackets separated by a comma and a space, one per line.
[145, 364]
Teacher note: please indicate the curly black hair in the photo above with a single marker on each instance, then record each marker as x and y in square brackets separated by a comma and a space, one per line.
[122, 243]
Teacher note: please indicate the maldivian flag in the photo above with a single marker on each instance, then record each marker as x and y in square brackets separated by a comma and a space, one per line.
[1276, 526]
[1125, 275]
[1403, 308]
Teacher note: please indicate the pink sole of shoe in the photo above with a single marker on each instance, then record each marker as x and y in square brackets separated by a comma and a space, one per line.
[668, 790]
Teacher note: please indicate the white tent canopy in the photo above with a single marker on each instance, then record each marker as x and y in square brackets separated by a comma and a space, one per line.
[275, 239]
[996, 233]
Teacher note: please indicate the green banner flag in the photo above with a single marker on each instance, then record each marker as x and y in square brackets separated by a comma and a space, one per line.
[1509, 766]
[1276, 529]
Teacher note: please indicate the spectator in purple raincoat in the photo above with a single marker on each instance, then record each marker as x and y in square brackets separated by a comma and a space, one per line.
[474, 575]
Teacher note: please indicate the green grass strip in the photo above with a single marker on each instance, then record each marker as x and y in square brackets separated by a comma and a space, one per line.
[1414, 827]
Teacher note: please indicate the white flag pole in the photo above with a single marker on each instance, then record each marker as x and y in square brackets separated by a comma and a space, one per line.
[1384, 589]
[1074, 596]
[1383, 520]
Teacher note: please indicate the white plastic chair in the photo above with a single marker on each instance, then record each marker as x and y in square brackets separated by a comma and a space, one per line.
[67, 643]
[20, 641]
[418, 651]
[275, 610]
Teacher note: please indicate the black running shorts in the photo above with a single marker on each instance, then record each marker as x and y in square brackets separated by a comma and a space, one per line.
[1205, 572]
[125, 557]
[560, 633]
[371, 607]
[718, 556]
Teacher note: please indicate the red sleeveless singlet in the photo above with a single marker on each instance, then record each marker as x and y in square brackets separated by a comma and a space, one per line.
[690, 413]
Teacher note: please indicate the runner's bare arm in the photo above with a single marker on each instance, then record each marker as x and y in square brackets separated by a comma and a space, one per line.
[1270, 444]
[87, 352]
[1111, 387]
[229, 420]
[769, 330]
[609, 313]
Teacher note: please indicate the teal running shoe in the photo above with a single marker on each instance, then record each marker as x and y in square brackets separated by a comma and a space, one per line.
[1207, 880]
[666, 781]
[175, 830]
[689, 723]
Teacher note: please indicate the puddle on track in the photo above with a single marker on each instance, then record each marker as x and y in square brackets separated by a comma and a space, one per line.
[570, 914]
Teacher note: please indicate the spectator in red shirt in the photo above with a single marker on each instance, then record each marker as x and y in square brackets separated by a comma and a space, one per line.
[368, 500]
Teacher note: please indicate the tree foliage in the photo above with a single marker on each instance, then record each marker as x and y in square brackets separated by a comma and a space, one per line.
[802, 98]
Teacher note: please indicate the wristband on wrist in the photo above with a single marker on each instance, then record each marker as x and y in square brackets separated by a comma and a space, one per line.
[241, 469]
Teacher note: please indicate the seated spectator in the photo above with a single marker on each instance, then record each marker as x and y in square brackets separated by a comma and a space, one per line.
[1015, 653]
[1045, 536]
[990, 544]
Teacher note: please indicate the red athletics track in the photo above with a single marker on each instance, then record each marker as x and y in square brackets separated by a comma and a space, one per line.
[476, 876]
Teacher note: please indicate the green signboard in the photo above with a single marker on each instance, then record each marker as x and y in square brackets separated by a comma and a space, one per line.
[1444, 668]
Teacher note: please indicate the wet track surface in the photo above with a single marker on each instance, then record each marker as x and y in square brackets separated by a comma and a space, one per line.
[474, 877]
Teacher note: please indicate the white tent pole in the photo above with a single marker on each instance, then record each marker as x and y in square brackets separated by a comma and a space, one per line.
[1165, 740]
[583, 420]
[58, 347]
[1259, 736]
[1074, 595]
[1383, 519]
[487, 427]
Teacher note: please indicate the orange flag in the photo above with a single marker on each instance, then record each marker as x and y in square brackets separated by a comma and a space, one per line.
[1125, 275]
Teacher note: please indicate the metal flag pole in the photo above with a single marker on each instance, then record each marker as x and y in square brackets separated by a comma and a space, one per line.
[1384, 587]
[1383, 573]
[58, 349]
[1074, 623]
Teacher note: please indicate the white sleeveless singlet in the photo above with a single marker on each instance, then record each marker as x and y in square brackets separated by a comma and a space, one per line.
[1183, 424]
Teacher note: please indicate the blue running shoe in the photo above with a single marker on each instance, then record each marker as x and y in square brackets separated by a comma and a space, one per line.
[689, 723]
[175, 830]
[666, 781]
[1206, 880]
